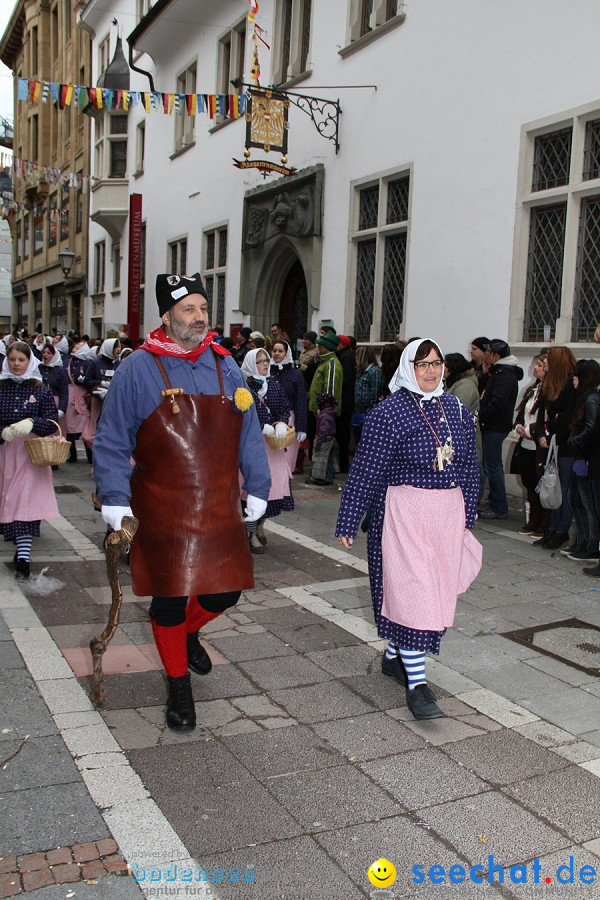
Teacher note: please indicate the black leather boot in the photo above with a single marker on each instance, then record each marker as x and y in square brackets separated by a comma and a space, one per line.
[198, 659]
[181, 714]
[22, 569]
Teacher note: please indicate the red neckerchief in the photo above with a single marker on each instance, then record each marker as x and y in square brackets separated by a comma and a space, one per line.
[159, 343]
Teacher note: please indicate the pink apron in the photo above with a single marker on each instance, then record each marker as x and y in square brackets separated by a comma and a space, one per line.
[26, 491]
[428, 557]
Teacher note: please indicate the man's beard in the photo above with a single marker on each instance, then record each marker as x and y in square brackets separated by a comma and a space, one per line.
[186, 335]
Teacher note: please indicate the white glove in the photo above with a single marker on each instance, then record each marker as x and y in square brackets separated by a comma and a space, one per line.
[281, 430]
[60, 413]
[255, 508]
[81, 379]
[113, 515]
[300, 436]
[17, 429]
[100, 392]
[268, 429]
[105, 384]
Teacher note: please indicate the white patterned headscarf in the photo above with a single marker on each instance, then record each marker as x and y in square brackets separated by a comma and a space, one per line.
[404, 376]
[249, 370]
[32, 370]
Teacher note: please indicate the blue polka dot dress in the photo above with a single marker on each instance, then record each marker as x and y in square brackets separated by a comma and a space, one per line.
[398, 447]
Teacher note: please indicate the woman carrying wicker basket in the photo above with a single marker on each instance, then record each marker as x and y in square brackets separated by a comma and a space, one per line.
[26, 491]
[273, 410]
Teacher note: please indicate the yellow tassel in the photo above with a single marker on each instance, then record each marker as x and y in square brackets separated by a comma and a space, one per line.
[243, 399]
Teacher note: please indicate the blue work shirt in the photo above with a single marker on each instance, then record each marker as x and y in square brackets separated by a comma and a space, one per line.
[133, 396]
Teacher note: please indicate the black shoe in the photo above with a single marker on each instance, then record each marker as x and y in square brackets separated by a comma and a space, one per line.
[594, 571]
[22, 569]
[572, 548]
[557, 540]
[421, 703]
[181, 714]
[584, 553]
[544, 541]
[254, 543]
[394, 668]
[260, 532]
[198, 659]
[320, 481]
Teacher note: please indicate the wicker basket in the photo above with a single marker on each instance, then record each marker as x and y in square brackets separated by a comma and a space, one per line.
[276, 443]
[48, 451]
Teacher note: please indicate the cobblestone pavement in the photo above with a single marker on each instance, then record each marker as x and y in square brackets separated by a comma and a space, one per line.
[306, 765]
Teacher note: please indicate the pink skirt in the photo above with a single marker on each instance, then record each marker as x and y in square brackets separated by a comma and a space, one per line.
[428, 558]
[26, 491]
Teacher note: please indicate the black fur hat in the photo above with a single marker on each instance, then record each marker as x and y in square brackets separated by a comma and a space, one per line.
[170, 289]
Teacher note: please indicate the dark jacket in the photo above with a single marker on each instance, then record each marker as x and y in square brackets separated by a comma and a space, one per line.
[584, 442]
[555, 417]
[498, 400]
[348, 361]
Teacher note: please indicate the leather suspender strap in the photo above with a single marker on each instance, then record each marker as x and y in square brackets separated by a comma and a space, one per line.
[170, 390]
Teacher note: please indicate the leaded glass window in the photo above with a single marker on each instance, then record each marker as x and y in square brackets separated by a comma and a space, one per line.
[544, 270]
[215, 273]
[392, 307]
[551, 159]
[305, 33]
[368, 209]
[210, 250]
[591, 153]
[220, 299]
[365, 289]
[367, 9]
[397, 200]
[209, 285]
[587, 284]
[222, 248]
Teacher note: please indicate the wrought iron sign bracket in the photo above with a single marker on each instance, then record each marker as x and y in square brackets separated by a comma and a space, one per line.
[324, 114]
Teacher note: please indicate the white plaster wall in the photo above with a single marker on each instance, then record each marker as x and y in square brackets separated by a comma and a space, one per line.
[455, 84]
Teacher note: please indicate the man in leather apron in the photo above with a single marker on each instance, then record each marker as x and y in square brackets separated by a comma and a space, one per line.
[179, 408]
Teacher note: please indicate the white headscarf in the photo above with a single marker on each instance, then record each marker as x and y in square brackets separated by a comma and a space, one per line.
[108, 348]
[56, 358]
[404, 376]
[62, 345]
[288, 356]
[250, 370]
[82, 352]
[32, 371]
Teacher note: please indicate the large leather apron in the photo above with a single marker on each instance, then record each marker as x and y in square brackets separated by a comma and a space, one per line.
[185, 493]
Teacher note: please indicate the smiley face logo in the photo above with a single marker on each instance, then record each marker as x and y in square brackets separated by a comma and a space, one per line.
[381, 873]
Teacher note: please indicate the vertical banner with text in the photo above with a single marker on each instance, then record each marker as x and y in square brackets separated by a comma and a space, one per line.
[135, 263]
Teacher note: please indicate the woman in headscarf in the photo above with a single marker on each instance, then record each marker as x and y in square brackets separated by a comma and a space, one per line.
[97, 382]
[415, 474]
[26, 491]
[78, 412]
[292, 381]
[61, 343]
[273, 410]
[55, 379]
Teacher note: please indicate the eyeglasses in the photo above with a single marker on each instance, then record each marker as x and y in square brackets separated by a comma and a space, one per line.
[435, 364]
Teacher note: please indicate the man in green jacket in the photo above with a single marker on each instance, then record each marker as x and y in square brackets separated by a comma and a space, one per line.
[327, 381]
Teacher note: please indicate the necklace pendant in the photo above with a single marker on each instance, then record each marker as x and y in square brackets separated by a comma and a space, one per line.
[439, 460]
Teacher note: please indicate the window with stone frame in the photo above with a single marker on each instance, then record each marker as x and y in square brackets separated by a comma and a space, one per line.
[177, 257]
[368, 17]
[379, 237]
[99, 267]
[214, 272]
[231, 58]
[291, 40]
[557, 250]
[185, 125]
[115, 253]
[103, 56]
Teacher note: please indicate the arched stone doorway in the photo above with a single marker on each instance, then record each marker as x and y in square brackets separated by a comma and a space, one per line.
[293, 305]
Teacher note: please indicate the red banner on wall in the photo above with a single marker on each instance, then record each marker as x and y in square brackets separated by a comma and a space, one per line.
[135, 267]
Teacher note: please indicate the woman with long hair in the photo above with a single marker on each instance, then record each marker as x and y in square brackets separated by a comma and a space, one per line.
[367, 388]
[531, 456]
[585, 381]
[26, 491]
[556, 410]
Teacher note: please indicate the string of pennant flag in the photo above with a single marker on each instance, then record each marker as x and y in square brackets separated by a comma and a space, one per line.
[226, 106]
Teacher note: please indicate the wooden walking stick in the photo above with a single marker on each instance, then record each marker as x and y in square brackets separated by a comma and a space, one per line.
[114, 544]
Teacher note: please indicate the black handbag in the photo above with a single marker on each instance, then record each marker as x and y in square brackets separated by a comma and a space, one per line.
[514, 465]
